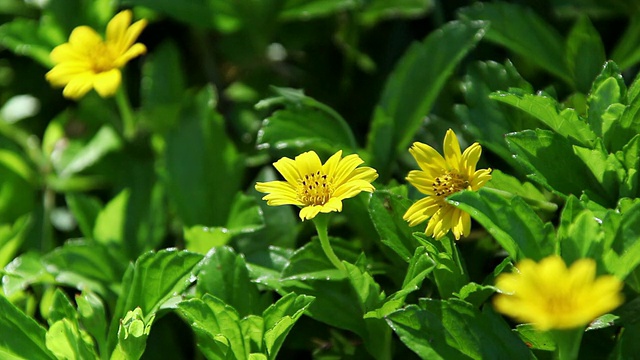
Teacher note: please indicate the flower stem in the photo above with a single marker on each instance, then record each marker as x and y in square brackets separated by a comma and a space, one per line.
[567, 343]
[321, 222]
[126, 113]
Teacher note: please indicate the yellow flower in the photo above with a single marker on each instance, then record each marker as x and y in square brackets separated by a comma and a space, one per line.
[315, 187]
[551, 296]
[86, 62]
[440, 177]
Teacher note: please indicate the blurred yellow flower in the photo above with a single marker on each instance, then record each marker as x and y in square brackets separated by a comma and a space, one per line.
[551, 296]
[440, 177]
[315, 187]
[87, 62]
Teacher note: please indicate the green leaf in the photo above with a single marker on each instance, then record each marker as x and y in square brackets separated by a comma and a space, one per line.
[412, 89]
[513, 224]
[86, 265]
[224, 274]
[449, 274]
[66, 341]
[213, 318]
[91, 312]
[158, 277]
[304, 124]
[627, 345]
[626, 52]
[106, 140]
[85, 210]
[386, 210]
[476, 294]
[624, 256]
[630, 158]
[379, 10]
[18, 194]
[201, 239]
[489, 121]
[61, 308]
[163, 87]
[605, 103]
[546, 109]
[11, 238]
[536, 339]
[22, 337]
[280, 318]
[455, 330]
[305, 10]
[110, 222]
[605, 167]
[542, 153]
[218, 14]
[585, 53]
[253, 331]
[310, 263]
[508, 183]
[204, 169]
[23, 271]
[522, 31]
[24, 37]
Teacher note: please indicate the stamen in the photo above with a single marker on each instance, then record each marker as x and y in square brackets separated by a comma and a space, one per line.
[316, 189]
[449, 183]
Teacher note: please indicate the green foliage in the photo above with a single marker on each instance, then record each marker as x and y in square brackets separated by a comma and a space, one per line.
[130, 227]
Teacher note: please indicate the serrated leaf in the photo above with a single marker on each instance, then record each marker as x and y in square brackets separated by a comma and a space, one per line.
[455, 330]
[542, 153]
[449, 274]
[223, 274]
[66, 341]
[386, 210]
[585, 53]
[546, 109]
[514, 225]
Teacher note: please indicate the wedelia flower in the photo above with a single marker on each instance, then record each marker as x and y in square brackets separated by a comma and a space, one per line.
[315, 187]
[551, 296]
[87, 62]
[440, 177]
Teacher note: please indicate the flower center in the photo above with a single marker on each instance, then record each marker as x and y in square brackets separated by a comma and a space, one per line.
[449, 183]
[102, 58]
[315, 189]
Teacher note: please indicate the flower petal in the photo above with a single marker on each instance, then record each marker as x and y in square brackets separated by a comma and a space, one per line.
[65, 53]
[470, 158]
[308, 163]
[309, 212]
[84, 39]
[451, 150]
[287, 167]
[107, 83]
[422, 181]
[428, 159]
[78, 86]
[420, 211]
[63, 73]
[117, 27]
[132, 52]
[344, 169]
[331, 164]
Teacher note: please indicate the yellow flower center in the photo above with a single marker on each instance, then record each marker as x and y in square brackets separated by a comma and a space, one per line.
[449, 183]
[315, 189]
[102, 58]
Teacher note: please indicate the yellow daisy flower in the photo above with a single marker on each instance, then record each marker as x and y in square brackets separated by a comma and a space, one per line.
[87, 62]
[315, 187]
[440, 177]
[551, 296]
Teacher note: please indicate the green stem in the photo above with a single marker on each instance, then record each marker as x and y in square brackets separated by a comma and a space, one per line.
[542, 205]
[321, 222]
[567, 343]
[126, 113]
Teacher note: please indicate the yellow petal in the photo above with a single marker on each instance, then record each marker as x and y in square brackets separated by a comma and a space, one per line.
[333, 204]
[351, 189]
[308, 163]
[84, 39]
[422, 181]
[428, 159]
[452, 150]
[133, 32]
[331, 164]
[420, 211]
[65, 53]
[107, 83]
[132, 52]
[344, 169]
[470, 158]
[117, 27]
[287, 167]
[62, 74]
[78, 86]
[309, 212]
